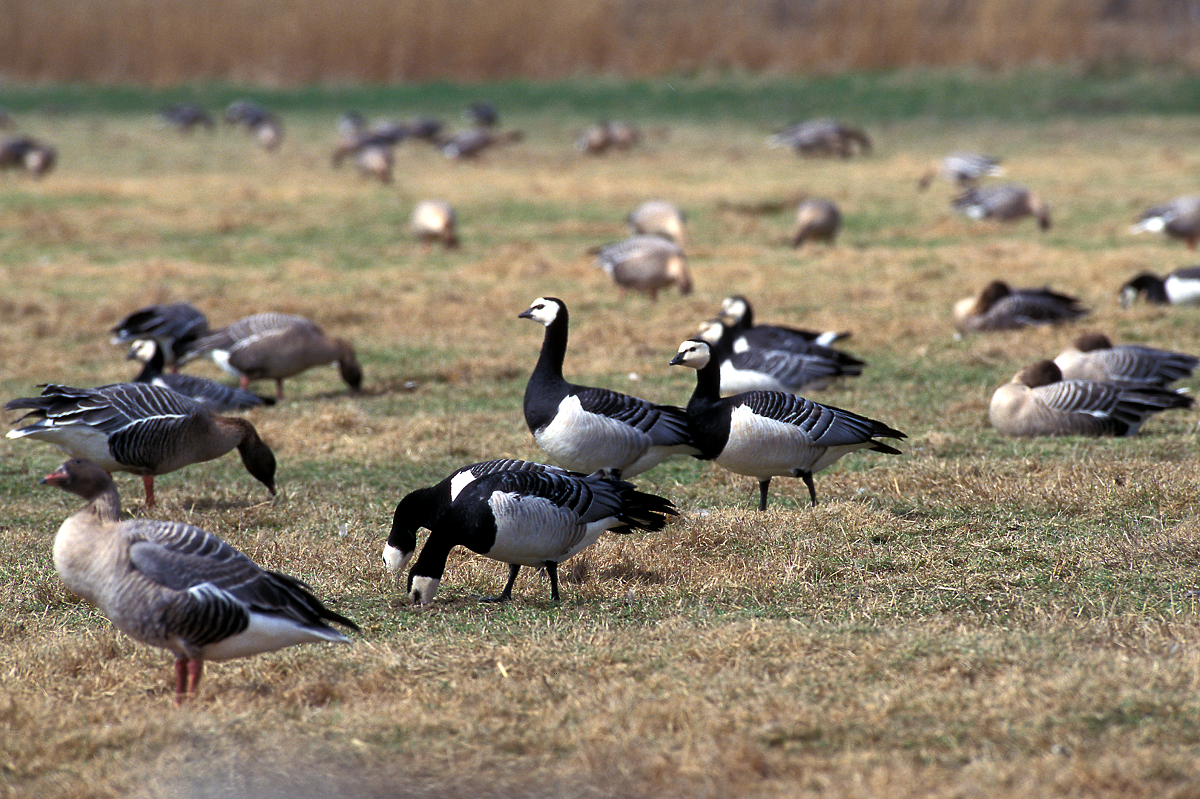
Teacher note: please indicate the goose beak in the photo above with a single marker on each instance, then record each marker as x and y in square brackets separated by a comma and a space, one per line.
[56, 478]
[526, 314]
[677, 360]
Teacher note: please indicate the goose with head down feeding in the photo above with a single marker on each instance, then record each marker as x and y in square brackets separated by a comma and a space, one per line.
[532, 518]
[140, 428]
[587, 429]
[962, 169]
[276, 346]
[217, 397]
[764, 434]
[178, 587]
[1181, 287]
[1095, 357]
[645, 263]
[1003, 202]
[1039, 402]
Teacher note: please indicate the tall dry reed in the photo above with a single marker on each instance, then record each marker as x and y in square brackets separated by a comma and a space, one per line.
[291, 42]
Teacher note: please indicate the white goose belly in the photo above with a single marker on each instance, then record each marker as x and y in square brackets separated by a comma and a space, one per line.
[762, 447]
[76, 441]
[1182, 291]
[532, 530]
[584, 442]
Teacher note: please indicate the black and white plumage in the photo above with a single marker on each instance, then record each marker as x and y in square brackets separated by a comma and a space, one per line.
[587, 429]
[26, 153]
[424, 506]
[140, 428]
[173, 325]
[178, 587]
[738, 315]
[217, 397]
[1095, 357]
[1178, 219]
[532, 518]
[766, 369]
[1181, 287]
[1004, 202]
[1002, 307]
[763, 434]
[962, 169]
[1039, 402]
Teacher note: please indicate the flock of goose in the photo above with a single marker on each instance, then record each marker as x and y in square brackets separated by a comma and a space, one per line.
[178, 587]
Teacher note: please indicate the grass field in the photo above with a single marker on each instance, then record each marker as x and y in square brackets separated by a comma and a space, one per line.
[977, 617]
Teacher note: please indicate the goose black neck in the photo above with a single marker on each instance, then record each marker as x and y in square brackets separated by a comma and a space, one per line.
[554, 347]
[153, 368]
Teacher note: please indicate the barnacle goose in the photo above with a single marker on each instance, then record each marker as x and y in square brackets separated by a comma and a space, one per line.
[532, 518]
[587, 429]
[1181, 287]
[174, 325]
[760, 368]
[737, 313]
[767, 433]
[217, 397]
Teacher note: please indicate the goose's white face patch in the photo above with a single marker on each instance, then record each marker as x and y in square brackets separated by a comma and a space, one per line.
[694, 354]
[543, 310]
[711, 331]
[142, 350]
[395, 559]
[423, 590]
[734, 309]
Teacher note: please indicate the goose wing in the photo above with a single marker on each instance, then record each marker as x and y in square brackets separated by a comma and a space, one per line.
[1033, 307]
[1134, 365]
[217, 397]
[244, 332]
[665, 424]
[1079, 396]
[789, 368]
[825, 425]
[170, 321]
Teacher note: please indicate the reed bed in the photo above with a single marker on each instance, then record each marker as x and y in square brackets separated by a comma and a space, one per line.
[298, 42]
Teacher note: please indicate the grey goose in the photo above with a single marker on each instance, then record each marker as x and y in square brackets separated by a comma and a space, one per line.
[217, 397]
[275, 346]
[435, 222]
[999, 306]
[764, 434]
[140, 428]
[822, 137]
[532, 518]
[1039, 402]
[587, 429]
[645, 263]
[1004, 202]
[1178, 219]
[816, 220]
[1094, 357]
[178, 587]
[962, 169]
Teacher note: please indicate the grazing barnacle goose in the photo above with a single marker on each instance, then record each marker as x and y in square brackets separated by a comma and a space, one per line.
[35, 157]
[275, 346]
[1095, 357]
[588, 429]
[174, 325]
[764, 369]
[424, 506]
[646, 264]
[140, 428]
[217, 397]
[763, 434]
[532, 518]
[658, 218]
[737, 314]
[1178, 219]
[962, 169]
[816, 220]
[1038, 402]
[1181, 287]
[1001, 307]
[177, 587]
[1006, 202]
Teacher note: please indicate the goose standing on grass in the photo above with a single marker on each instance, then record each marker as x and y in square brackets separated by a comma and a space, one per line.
[140, 428]
[177, 587]
[646, 264]
[816, 220]
[434, 221]
[962, 169]
[531, 518]
[424, 506]
[1004, 202]
[1178, 219]
[586, 429]
[1094, 357]
[1181, 287]
[25, 152]
[275, 346]
[1038, 402]
[1001, 307]
[738, 315]
[215, 396]
[173, 325]
[659, 218]
[762, 369]
[763, 434]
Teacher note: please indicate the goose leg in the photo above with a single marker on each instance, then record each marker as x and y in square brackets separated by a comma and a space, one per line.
[148, 484]
[552, 571]
[506, 594]
[279, 388]
[812, 488]
[762, 493]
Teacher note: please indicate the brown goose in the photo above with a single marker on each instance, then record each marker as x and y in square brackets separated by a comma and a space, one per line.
[434, 221]
[1038, 402]
[1093, 357]
[140, 428]
[177, 587]
[647, 264]
[275, 346]
[1005, 202]
[658, 218]
[1000, 307]
[816, 220]
[1178, 218]
[822, 137]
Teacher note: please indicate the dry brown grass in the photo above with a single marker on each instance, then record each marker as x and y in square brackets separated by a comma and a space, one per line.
[296, 42]
[976, 617]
